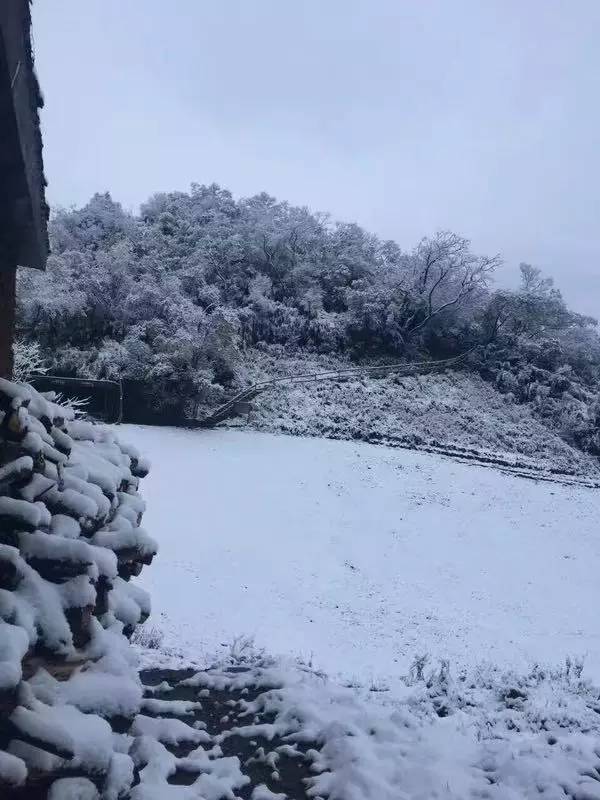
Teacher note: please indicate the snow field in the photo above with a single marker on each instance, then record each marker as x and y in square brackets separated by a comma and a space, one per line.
[356, 558]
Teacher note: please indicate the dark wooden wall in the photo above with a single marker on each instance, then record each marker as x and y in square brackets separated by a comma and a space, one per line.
[21, 167]
[23, 209]
[7, 320]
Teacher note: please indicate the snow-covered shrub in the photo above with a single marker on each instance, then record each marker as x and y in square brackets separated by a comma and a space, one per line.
[78, 405]
[560, 385]
[149, 638]
[27, 360]
[506, 382]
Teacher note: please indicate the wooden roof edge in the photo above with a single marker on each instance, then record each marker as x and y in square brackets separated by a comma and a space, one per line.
[22, 162]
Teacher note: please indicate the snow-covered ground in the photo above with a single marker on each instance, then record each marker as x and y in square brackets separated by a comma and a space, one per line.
[450, 411]
[452, 737]
[357, 557]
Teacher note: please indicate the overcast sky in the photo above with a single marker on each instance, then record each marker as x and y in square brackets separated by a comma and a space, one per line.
[405, 116]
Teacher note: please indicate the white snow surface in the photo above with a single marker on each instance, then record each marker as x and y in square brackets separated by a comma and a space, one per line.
[357, 557]
[450, 411]
[483, 734]
[12, 769]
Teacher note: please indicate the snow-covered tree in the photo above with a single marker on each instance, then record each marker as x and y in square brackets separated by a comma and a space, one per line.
[175, 297]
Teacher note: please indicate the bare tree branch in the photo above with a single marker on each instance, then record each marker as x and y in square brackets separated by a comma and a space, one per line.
[445, 273]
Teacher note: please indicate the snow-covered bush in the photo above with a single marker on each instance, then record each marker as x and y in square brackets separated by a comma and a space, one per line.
[27, 360]
[562, 395]
[507, 382]
[149, 638]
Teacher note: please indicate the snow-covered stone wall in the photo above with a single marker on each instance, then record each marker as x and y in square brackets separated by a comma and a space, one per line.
[70, 540]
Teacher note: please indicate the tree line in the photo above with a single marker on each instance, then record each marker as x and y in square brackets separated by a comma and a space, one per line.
[177, 296]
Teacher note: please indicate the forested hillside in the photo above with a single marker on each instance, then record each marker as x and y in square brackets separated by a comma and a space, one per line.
[179, 297]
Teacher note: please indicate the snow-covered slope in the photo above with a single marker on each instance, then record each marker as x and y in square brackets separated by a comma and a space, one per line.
[453, 412]
[358, 557]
